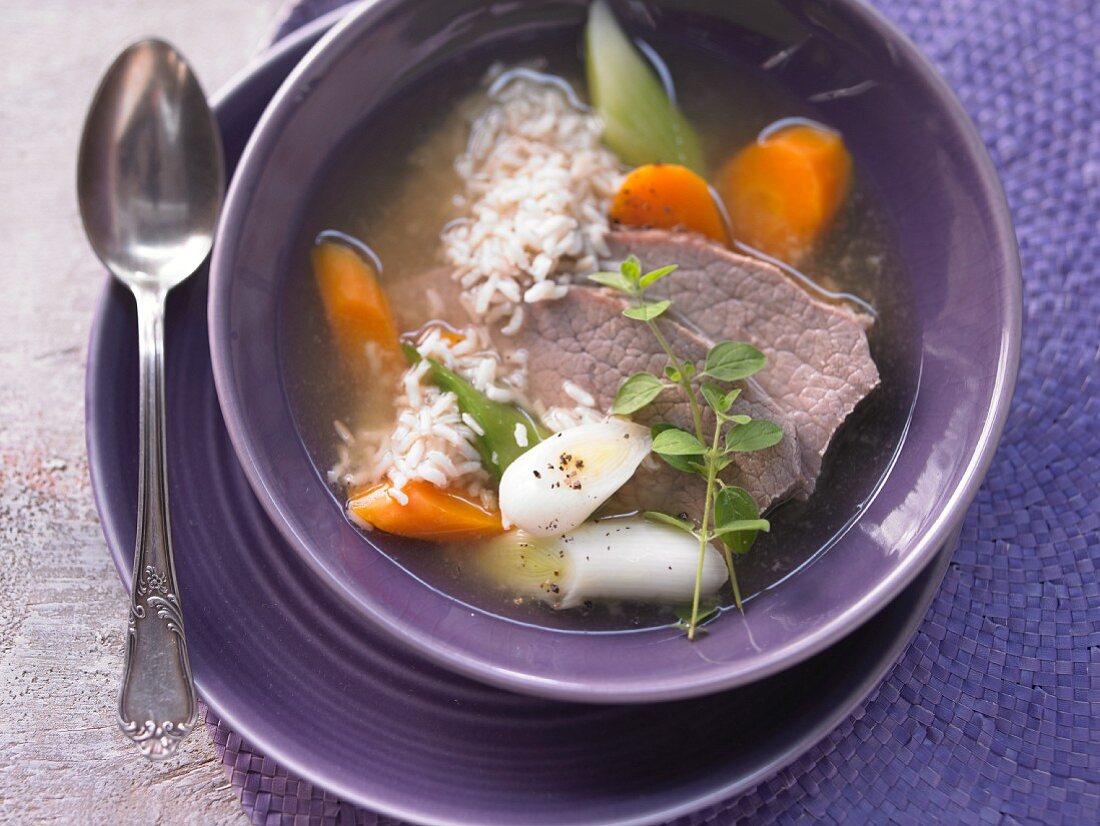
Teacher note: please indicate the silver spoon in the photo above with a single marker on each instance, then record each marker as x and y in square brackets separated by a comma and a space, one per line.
[150, 180]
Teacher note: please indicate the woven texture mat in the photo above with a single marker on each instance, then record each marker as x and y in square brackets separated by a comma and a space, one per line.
[993, 713]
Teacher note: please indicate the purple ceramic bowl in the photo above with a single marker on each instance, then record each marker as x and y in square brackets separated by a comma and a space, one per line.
[914, 145]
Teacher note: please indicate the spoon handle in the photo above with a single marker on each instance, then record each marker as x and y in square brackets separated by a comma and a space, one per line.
[156, 706]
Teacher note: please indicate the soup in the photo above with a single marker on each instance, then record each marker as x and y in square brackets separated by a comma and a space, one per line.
[461, 379]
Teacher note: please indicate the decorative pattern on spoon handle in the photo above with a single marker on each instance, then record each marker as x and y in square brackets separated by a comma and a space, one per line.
[156, 706]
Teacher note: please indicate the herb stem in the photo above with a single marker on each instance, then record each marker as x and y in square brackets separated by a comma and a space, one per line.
[733, 582]
[729, 564]
[733, 576]
[726, 361]
[704, 538]
[685, 381]
[708, 502]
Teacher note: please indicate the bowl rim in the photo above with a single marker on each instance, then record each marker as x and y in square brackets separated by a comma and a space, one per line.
[922, 550]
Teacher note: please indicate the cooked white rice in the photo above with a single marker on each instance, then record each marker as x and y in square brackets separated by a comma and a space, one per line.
[578, 394]
[557, 419]
[432, 439]
[537, 186]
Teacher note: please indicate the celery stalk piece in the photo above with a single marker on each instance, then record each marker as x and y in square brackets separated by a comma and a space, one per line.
[641, 124]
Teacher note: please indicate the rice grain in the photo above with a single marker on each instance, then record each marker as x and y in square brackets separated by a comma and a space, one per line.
[537, 186]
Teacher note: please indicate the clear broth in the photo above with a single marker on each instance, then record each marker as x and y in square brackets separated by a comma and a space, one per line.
[391, 185]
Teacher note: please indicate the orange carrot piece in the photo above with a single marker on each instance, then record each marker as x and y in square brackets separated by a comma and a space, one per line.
[446, 333]
[431, 513]
[668, 196]
[355, 304]
[783, 192]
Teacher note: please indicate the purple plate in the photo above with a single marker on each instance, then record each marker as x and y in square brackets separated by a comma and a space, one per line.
[315, 686]
[954, 239]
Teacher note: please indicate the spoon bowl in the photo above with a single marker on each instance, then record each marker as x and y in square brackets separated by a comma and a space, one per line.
[151, 174]
[150, 179]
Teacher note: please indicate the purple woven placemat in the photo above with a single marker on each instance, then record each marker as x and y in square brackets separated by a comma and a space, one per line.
[993, 713]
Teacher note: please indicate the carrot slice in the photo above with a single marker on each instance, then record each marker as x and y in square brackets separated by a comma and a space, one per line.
[355, 304]
[431, 513]
[668, 196]
[783, 192]
[449, 335]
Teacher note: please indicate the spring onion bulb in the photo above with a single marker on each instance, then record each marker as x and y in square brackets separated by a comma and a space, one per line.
[627, 559]
[558, 483]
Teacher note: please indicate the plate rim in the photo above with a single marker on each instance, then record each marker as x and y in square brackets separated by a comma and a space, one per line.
[110, 522]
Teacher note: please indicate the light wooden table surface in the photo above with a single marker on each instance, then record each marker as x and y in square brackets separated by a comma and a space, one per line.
[62, 609]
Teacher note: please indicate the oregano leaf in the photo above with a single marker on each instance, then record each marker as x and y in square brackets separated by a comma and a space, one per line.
[738, 525]
[653, 276]
[647, 310]
[675, 522]
[677, 442]
[614, 280]
[631, 268]
[731, 506]
[733, 360]
[685, 464]
[715, 397]
[636, 392]
[756, 434]
[683, 614]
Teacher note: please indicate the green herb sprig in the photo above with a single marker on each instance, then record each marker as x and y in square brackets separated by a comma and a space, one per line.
[730, 515]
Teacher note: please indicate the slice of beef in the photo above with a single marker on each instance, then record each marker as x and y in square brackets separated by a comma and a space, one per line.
[819, 363]
[584, 338]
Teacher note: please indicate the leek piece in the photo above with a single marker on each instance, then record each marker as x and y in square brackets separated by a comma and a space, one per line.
[628, 559]
[558, 483]
[641, 124]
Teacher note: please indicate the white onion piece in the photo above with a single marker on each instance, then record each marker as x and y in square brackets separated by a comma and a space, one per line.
[627, 559]
[558, 483]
